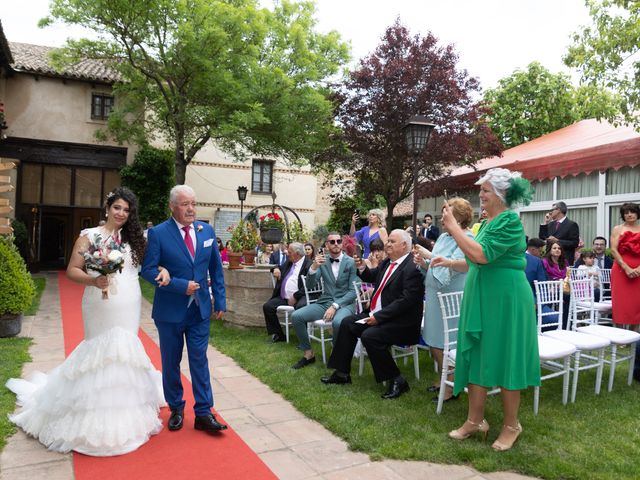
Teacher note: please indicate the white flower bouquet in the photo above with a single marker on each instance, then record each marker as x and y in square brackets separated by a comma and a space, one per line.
[105, 256]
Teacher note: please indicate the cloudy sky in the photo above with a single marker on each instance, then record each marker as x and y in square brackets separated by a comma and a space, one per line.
[492, 37]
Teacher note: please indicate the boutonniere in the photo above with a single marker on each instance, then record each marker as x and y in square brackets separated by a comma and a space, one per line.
[199, 228]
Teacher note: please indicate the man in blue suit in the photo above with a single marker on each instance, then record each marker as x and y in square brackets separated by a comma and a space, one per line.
[338, 272]
[534, 269]
[182, 309]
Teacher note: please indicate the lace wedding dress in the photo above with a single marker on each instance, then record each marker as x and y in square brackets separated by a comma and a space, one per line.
[104, 398]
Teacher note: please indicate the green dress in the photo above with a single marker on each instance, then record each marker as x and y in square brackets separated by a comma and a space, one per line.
[497, 337]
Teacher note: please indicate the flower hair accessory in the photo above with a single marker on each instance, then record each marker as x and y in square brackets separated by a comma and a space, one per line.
[508, 186]
[109, 195]
[199, 228]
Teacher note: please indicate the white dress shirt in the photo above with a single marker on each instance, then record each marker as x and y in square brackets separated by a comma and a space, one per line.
[291, 286]
[192, 233]
[398, 262]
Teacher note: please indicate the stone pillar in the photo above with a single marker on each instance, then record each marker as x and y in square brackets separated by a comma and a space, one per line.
[247, 290]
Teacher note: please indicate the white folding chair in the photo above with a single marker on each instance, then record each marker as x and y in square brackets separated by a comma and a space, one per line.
[286, 309]
[585, 320]
[555, 355]
[322, 326]
[583, 342]
[602, 308]
[450, 308]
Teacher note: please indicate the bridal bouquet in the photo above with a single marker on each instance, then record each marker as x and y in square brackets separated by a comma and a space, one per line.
[105, 256]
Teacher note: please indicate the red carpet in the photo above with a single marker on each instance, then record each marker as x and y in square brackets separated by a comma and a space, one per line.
[186, 454]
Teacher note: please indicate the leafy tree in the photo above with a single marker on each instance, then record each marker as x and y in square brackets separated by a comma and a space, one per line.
[343, 208]
[248, 78]
[407, 76]
[531, 103]
[606, 54]
[151, 177]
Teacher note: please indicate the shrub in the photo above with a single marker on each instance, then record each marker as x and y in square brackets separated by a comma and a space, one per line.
[16, 286]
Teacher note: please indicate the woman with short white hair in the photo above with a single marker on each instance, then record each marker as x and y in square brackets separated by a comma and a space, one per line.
[375, 229]
[497, 335]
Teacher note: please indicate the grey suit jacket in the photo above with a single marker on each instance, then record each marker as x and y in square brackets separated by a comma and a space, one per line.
[338, 290]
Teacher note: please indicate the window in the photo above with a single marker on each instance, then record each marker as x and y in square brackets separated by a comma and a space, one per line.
[580, 186]
[543, 191]
[101, 106]
[262, 176]
[625, 180]
[88, 187]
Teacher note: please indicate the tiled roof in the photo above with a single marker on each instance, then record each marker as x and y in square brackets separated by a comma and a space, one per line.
[35, 59]
[404, 208]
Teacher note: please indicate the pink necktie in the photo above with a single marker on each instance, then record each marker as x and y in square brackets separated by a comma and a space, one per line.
[374, 300]
[188, 242]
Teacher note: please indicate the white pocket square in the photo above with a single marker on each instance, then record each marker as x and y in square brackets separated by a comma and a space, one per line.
[208, 243]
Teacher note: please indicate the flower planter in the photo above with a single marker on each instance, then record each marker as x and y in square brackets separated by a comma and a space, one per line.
[249, 257]
[235, 261]
[10, 324]
[271, 235]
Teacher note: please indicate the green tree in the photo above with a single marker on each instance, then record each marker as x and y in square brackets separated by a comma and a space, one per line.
[248, 78]
[150, 177]
[531, 103]
[606, 54]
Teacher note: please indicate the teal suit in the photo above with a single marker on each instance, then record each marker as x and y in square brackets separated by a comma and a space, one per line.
[338, 291]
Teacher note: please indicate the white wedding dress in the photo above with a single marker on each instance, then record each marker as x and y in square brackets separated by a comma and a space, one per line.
[104, 398]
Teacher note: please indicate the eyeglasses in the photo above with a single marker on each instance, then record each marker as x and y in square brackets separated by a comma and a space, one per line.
[333, 242]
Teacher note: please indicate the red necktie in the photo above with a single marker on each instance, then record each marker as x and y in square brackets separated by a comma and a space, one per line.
[374, 300]
[188, 242]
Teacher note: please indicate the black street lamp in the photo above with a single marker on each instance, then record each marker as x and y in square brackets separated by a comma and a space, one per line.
[417, 132]
[242, 196]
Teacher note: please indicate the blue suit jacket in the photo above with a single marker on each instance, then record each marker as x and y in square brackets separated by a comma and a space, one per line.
[166, 248]
[534, 271]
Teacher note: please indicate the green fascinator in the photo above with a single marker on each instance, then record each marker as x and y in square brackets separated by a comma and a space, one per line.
[520, 192]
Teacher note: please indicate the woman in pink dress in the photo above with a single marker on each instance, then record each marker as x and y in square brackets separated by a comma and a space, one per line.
[625, 275]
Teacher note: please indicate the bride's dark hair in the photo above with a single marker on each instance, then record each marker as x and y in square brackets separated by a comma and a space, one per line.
[132, 230]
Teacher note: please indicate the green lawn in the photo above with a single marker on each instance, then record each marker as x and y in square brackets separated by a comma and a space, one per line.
[594, 438]
[40, 283]
[13, 353]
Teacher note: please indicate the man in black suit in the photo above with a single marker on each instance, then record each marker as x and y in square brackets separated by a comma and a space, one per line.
[602, 260]
[559, 228]
[394, 317]
[279, 255]
[429, 230]
[289, 289]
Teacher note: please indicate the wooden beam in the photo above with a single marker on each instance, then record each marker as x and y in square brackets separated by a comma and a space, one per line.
[6, 188]
[4, 202]
[5, 179]
[6, 209]
[5, 221]
[5, 229]
[7, 166]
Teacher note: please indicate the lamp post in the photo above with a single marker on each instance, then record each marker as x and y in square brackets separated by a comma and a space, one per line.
[417, 132]
[242, 196]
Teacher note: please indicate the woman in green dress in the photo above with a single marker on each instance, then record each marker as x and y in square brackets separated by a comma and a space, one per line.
[497, 338]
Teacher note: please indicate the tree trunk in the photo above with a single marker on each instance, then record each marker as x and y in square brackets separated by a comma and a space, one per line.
[180, 164]
[390, 207]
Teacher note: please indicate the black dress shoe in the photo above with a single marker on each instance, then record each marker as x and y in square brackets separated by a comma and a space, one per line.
[176, 419]
[209, 424]
[450, 399]
[303, 362]
[397, 388]
[336, 379]
[275, 338]
[433, 389]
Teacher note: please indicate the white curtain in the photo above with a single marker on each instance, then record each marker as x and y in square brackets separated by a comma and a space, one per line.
[531, 222]
[577, 187]
[543, 191]
[586, 220]
[625, 180]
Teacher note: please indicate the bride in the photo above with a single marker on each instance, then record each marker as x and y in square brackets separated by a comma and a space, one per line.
[105, 397]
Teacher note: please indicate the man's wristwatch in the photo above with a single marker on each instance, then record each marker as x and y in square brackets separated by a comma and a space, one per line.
[335, 306]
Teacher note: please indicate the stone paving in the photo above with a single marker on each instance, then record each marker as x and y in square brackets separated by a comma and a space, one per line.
[291, 445]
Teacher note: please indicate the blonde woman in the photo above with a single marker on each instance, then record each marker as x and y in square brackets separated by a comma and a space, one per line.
[375, 229]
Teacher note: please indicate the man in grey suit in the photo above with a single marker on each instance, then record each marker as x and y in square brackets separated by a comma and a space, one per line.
[338, 272]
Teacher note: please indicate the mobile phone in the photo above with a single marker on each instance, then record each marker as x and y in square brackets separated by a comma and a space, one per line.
[446, 196]
[356, 211]
[359, 250]
[321, 251]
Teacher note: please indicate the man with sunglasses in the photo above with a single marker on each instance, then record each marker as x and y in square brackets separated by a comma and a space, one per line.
[338, 272]
[558, 228]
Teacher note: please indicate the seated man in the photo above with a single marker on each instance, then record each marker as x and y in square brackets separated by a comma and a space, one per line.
[535, 271]
[602, 260]
[394, 317]
[338, 272]
[288, 289]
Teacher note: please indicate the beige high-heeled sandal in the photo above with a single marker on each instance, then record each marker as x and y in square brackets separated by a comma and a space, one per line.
[482, 428]
[503, 447]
